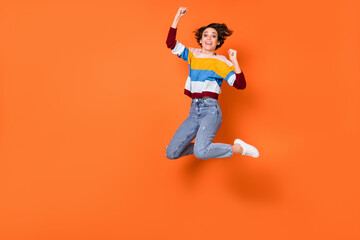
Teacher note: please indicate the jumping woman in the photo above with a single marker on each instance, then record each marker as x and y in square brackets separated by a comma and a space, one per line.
[207, 71]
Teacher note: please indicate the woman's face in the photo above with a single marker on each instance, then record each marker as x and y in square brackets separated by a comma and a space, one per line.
[209, 39]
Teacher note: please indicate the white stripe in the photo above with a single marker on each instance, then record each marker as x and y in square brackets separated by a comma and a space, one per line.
[231, 80]
[187, 84]
[178, 49]
[198, 87]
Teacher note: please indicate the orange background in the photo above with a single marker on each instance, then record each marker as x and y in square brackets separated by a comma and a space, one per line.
[91, 96]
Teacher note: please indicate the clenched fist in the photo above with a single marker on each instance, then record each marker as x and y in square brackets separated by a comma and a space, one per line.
[232, 55]
[182, 11]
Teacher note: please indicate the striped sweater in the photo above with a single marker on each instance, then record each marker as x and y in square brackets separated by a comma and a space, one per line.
[206, 72]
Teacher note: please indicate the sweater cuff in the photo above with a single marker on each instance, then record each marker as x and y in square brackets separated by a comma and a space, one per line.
[170, 41]
[240, 82]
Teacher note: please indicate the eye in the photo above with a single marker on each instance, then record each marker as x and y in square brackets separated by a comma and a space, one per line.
[214, 36]
[205, 35]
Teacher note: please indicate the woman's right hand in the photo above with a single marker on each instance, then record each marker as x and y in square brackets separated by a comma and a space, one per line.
[181, 12]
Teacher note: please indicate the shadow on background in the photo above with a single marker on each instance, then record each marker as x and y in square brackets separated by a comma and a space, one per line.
[252, 184]
[242, 179]
[193, 169]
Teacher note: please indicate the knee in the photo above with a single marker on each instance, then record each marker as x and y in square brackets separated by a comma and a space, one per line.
[200, 153]
[170, 153]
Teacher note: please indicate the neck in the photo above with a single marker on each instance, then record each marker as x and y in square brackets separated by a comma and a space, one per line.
[204, 51]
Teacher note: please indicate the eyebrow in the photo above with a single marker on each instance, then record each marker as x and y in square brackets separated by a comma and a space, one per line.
[211, 32]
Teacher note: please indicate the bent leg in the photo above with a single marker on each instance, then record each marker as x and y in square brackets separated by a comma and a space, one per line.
[209, 126]
[181, 145]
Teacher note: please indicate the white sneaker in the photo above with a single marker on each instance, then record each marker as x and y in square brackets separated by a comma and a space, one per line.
[247, 149]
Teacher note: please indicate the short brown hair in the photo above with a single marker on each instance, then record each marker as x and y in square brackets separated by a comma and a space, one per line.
[221, 28]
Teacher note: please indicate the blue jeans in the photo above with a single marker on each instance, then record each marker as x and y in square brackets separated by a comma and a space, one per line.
[203, 122]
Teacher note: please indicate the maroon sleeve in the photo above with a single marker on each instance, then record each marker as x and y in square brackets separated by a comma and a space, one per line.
[240, 82]
[170, 41]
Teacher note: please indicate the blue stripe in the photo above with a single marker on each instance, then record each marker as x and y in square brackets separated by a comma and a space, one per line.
[184, 55]
[229, 75]
[202, 75]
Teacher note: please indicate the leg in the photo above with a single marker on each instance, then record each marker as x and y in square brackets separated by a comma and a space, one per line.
[180, 145]
[209, 126]
[237, 149]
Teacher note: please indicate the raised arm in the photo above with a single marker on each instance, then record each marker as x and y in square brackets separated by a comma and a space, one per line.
[240, 82]
[180, 13]
[171, 41]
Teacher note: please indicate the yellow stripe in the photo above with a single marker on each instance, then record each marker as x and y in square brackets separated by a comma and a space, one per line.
[190, 56]
[216, 65]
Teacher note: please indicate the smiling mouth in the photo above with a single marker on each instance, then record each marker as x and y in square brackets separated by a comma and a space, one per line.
[208, 43]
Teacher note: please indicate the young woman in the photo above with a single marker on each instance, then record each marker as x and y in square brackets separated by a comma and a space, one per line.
[207, 71]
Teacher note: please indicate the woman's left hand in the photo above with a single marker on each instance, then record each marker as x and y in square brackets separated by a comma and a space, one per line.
[232, 55]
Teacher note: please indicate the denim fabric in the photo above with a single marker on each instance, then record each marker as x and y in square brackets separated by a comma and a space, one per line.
[203, 122]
